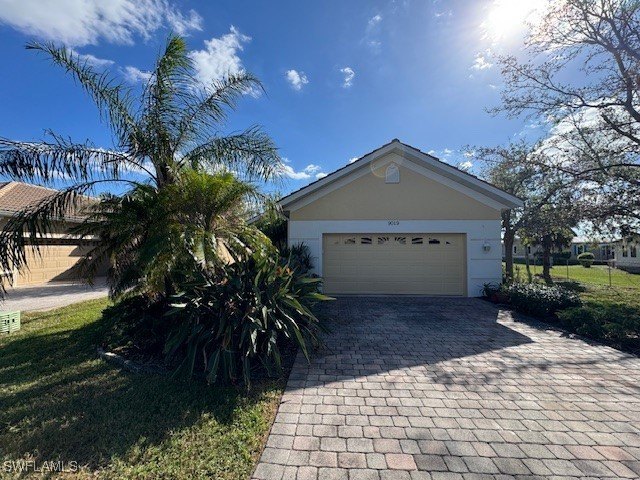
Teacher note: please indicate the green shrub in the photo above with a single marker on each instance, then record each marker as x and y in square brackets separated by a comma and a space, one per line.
[274, 226]
[298, 257]
[490, 289]
[586, 259]
[571, 285]
[232, 323]
[619, 324]
[540, 300]
[137, 325]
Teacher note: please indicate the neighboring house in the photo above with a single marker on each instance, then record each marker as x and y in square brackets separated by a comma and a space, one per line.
[627, 253]
[400, 221]
[602, 249]
[60, 252]
[519, 250]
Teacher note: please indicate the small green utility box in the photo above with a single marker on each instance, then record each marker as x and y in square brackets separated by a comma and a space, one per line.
[9, 322]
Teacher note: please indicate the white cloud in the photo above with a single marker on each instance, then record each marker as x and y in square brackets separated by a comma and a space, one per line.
[183, 24]
[220, 57]
[353, 159]
[372, 32]
[135, 75]
[92, 59]
[85, 22]
[349, 75]
[320, 175]
[296, 79]
[443, 14]
[481, 63]
[374, 21]
[466, 165]
[305, 174]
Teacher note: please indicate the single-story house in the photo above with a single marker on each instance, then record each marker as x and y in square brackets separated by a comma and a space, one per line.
[400, 221]
[627, 253]
[602, 249]
[59, 252]
[519, 250]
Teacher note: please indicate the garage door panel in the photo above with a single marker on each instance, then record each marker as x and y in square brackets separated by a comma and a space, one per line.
[55, 262]
[429, 264]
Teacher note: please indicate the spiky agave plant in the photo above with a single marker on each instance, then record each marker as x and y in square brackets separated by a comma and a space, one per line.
[174, 126]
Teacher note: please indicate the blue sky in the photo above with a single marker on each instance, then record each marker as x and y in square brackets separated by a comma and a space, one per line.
[341, 77]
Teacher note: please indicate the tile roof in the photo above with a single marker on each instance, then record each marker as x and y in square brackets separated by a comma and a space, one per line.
[17, 196]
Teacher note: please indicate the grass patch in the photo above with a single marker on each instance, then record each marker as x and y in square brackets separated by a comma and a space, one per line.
[61, 403]
[610, 315]
[595, 275]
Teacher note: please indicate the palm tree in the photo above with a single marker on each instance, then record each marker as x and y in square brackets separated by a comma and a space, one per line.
[171, 136]
[159, 239]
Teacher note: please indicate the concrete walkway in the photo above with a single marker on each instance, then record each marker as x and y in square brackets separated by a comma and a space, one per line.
[52, 295]
[429, 388]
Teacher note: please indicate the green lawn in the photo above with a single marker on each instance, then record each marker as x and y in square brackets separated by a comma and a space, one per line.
[58, 401]
[596, 275]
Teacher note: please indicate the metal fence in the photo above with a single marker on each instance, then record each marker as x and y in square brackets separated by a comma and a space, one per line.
[603, 274]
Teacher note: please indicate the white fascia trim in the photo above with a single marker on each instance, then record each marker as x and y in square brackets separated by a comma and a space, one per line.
[510, 201]
[405, 162]
[462, 181]
[337, 175]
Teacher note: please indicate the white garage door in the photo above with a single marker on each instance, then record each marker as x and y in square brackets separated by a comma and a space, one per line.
[383, 263]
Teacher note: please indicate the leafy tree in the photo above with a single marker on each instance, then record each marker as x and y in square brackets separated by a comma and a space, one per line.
[580, 71]
[518, 169]
[550, 226]
[598, 37]
[171, 137]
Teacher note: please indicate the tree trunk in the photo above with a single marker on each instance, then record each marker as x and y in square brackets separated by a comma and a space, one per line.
[509, 239]
[527, 263]
[546, 260]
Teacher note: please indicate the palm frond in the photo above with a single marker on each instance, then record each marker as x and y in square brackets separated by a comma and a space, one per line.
[45, 162]
[207, 109]
[113, 99]
[251, 154]
[162, 102]
[27, 228]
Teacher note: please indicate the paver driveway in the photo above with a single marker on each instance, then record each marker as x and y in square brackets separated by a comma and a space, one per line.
[438, 388]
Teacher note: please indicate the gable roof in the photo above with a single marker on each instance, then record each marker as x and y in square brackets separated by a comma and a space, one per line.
[433, 164]
[18, 196]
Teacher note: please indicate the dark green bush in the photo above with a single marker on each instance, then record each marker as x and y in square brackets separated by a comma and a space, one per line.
[490, 289]
[571, 285]
[586, 259]
[235, 322]
[540, 300]
[137, 325]
[619, 324]
[274, 225]
[298, 257]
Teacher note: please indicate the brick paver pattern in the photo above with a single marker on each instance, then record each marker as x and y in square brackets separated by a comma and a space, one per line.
[433, 388]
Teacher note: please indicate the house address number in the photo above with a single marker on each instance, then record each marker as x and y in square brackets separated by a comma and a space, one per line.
[394, 222]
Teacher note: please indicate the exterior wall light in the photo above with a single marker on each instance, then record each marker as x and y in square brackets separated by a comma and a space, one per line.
[486, 247]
